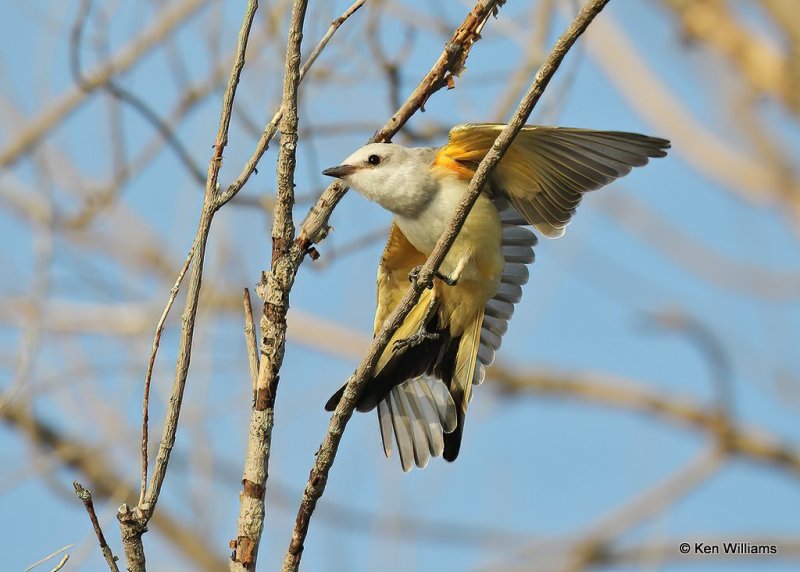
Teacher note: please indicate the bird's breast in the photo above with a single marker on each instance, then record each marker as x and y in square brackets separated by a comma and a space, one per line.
[479, 239]
[424, 228]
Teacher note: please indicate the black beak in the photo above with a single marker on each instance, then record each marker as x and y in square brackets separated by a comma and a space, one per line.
[340, 171]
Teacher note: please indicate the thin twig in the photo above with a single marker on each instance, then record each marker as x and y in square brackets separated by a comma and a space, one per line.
[344, 410]
[86, 497]
[48, 557]
[105, 482]
[250, 338]
[134, 522]
[272, 126]
[209, 207]
[173, 293]
[274, 289]
[61, 563]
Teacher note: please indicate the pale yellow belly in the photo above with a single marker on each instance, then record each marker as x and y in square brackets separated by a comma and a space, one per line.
[477, 252]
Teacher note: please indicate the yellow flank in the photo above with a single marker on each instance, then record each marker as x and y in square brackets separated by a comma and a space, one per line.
[478, 249]
[465, 361]
[477, 253]
[398, 259]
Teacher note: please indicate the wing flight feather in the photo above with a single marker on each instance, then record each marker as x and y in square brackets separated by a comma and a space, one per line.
[547, 170]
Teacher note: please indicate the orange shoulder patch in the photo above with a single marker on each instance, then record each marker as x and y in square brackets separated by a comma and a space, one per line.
[444, 163]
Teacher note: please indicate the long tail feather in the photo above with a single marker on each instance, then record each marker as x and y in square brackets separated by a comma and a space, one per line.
[461, 383]
[415, 416]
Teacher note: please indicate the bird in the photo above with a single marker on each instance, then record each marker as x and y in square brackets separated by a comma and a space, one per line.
[422, 383]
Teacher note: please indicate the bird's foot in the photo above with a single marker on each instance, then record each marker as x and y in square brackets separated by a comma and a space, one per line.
[413, 276]
[415, 340]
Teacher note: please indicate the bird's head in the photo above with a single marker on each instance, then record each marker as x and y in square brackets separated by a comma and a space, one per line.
[397, 178]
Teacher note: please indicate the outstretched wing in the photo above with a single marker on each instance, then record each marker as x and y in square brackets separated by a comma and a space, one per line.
[547, 169]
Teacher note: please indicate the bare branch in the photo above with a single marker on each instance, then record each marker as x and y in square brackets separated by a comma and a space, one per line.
[105, 481]
[134, 522]
[272, 126]
[50, 556]
[250, 338]
[61, 563]
[86, 497]
[274, 289]
[616, 392]
[149, 375]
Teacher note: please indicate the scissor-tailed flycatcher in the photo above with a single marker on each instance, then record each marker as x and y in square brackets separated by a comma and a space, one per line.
[423, 380]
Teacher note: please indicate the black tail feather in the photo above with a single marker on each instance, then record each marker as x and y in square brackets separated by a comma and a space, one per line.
[335, 399]
[452, 441]
[447, 366]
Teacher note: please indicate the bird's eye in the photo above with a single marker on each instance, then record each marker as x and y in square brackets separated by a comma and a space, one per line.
[373, 160]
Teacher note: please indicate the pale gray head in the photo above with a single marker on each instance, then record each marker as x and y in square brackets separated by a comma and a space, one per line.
[397, 178]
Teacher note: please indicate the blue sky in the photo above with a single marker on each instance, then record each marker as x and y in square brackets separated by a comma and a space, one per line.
[534, 467]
